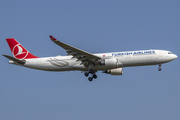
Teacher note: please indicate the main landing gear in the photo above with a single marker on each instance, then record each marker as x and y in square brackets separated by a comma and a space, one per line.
[90, 72]
[159, 67]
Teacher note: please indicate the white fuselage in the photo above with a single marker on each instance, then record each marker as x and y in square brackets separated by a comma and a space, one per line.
[125, 59]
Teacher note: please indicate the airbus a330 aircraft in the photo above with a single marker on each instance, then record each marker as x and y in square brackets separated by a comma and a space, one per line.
[77, 59]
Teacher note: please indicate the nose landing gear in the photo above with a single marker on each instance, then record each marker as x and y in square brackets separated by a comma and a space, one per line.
[159, 67]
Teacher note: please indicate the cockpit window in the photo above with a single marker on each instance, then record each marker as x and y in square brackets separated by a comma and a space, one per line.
[169, 52]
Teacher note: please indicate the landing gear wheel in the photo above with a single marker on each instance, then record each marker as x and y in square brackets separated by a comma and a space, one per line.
[90, 78]
[159, 69]
[95, 76]
[90, 71]
[86, 74]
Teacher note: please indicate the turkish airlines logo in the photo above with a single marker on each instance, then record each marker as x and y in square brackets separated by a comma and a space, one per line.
[19, 52]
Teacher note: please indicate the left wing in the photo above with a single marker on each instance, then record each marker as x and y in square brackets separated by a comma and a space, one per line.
[83, 56]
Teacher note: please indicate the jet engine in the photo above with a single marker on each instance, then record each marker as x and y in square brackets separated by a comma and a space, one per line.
[109, 62]
[112, 62]
[116, 71]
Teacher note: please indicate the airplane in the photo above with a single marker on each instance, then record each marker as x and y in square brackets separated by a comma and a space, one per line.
[80, 60]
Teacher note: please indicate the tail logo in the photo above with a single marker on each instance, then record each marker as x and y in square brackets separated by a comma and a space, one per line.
[19, 52]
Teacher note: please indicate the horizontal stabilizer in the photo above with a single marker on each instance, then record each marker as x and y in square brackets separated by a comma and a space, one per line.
[15, 59]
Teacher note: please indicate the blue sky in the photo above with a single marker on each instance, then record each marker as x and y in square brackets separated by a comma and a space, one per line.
[141, 93]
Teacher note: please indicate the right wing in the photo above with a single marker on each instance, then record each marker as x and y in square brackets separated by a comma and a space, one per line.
[83, 56]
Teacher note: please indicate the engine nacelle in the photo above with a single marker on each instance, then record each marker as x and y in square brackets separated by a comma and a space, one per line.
[116, 71]
[112, 62]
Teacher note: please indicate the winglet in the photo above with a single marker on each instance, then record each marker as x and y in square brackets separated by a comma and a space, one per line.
[53, 38]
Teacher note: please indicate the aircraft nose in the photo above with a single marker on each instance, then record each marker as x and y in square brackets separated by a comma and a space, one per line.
[174, 56]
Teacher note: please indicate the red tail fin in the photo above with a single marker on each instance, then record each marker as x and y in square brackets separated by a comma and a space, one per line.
[18, 50]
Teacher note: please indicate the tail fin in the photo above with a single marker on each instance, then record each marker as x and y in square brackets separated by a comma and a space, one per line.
[18, 50]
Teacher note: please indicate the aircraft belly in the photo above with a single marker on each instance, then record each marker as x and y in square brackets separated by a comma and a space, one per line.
[64, 65]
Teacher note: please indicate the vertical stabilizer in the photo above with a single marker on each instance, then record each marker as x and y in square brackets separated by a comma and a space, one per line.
[18, 50]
